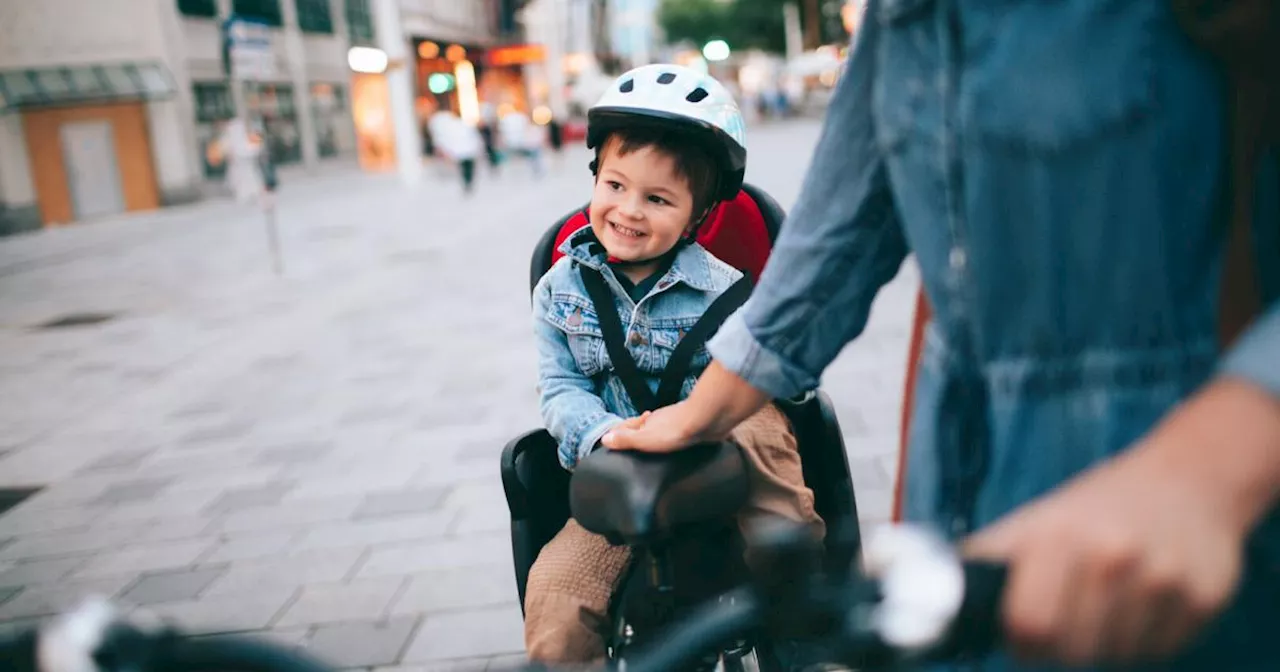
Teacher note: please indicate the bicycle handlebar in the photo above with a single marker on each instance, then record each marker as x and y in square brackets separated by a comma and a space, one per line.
[924, 609]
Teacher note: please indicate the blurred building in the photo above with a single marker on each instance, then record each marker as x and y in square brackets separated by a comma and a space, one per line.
[633, 30]
[108, 106]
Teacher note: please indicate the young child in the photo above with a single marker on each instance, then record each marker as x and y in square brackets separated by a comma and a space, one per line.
[669, 146]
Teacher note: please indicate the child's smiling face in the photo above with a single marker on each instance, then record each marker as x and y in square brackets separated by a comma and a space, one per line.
[642, 205]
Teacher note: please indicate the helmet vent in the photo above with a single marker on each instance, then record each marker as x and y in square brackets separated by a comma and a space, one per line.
[666, 78]
[627, 86]
[696, 95]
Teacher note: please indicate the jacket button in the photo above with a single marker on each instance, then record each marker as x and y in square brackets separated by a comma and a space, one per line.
[636, 338]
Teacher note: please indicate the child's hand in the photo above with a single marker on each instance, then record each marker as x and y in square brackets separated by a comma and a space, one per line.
[634, 423]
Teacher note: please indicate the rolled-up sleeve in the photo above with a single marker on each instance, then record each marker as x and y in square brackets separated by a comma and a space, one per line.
[1256, 356]
[839, 245]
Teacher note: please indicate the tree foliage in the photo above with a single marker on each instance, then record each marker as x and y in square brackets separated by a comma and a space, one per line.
[744, 24]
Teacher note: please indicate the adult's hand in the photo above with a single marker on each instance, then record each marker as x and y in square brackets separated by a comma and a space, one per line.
[1131, 559]
[716, 405]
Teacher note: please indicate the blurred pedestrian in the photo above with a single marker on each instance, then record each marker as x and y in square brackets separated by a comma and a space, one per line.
[459, 142]
[488, 120]
[520, 136]
[238, 149]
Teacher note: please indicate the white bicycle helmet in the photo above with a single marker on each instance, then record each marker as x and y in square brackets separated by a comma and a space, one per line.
[673, 96]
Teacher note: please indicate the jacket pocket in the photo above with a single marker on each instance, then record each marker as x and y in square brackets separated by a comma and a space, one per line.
[667, 336]
[581, 326]
[1049, 75]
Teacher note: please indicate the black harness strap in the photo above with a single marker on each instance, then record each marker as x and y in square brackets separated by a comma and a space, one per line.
[615, 340]
[677, 368]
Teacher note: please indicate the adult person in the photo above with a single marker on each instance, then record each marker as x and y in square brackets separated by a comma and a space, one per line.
[1074, 403]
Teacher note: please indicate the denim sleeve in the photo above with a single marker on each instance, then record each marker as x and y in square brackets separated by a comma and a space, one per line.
[1256, 356]
[839, 245]
[571, 410]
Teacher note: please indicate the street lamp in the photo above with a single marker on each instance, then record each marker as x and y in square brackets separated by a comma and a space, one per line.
[716, 50]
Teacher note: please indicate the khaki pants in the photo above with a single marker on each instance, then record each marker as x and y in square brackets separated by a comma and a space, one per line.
[577, 572]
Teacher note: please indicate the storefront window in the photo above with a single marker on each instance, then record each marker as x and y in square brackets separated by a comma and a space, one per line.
[359, 22]
[332, 121]
[273, 106]
[314, 16]
[213, 105]
[267, 11]
[204, 8]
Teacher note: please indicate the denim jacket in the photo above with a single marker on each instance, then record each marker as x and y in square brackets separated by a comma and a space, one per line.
[581, 396]
[1055, 167]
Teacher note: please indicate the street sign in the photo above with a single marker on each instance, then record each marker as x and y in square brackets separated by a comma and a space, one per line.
[248, 49]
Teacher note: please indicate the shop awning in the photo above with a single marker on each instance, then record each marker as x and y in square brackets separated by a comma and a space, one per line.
[74, 84]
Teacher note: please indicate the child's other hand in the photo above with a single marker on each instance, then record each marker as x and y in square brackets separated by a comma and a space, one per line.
[634, 423]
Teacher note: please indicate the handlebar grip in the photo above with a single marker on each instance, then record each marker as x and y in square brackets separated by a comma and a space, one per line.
[978, 627]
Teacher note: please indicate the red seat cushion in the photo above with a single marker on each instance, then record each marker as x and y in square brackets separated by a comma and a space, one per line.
[734, 231]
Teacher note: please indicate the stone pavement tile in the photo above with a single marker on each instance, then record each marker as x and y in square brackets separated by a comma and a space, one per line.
[44, 570]
[182, 503]
[136, 490]
[119, 459]
[342, 481]
[197, 410]
[46, 600]
[468, 634]
[875, 506]
[432, 555]
[507, 663]
[296, 513]
[230, 612]
[171, 529]
[172, 586]
[375, 532]
[290, 638]
[250, 546]
[375, 413]
[486, 492]
[143, 558]
[302, 452]
[453, 472]
[397, 502]
[253, 497]
[889, 463]
[364, 599]
[458, 589]
[867, 474]
[481, 519]
[361, 644]
[223, 432]
[62, 544]
[23, 521]
[290, 570]
[230, 476]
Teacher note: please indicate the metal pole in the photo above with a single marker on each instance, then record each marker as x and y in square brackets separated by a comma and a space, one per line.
[273, 232]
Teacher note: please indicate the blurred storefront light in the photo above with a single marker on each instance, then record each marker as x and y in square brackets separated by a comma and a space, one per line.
[367, 60]
[428, 50]
[468, 96]
[440, 82]
[716, 50]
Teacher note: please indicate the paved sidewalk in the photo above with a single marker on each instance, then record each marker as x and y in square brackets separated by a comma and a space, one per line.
[315, 456]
